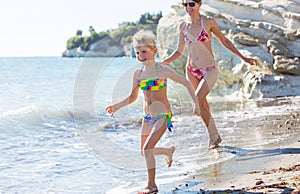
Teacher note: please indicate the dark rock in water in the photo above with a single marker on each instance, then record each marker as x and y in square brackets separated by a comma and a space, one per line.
[259, 182]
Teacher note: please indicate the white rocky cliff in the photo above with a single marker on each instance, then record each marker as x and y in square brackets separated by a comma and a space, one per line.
[268, 30]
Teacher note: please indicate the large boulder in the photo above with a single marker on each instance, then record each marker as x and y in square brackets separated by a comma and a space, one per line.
[267, 30]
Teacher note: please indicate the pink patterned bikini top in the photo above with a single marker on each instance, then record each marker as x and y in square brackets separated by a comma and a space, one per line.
[201, 37]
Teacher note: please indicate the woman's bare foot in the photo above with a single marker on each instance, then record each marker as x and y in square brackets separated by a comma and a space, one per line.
[149, 190]
[215, 144]
[170, 156]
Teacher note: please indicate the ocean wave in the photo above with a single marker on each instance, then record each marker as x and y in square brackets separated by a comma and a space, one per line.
[28, 114]
[34, 114]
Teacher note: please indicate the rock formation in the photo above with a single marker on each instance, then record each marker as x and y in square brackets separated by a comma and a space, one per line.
[268, 30]
[102, 48]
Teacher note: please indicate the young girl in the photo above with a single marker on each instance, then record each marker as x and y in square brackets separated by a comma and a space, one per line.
[201, 68]
[152, 79]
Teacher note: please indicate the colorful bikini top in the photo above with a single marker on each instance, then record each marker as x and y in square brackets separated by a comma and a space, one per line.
[154, 83]
[201, 37]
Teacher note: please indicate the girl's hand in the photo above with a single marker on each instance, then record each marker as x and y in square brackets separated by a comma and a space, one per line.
[111, 110]
[251, 61]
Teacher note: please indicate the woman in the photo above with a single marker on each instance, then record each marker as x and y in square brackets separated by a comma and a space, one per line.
[202, 70]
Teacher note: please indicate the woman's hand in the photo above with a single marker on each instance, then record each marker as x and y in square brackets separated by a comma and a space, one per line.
[251, 61]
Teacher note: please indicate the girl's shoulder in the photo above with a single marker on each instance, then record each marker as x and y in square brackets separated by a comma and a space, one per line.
[164, 70]
[138, 69]
[162, 67]
[137, 72]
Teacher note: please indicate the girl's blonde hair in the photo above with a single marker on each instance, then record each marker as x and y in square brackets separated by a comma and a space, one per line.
[144, 38]
[197, 1]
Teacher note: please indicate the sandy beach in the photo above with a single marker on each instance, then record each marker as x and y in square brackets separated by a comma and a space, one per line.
[279, 173]
[271, 169]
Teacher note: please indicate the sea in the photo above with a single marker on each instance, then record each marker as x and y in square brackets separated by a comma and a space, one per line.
[56, 137]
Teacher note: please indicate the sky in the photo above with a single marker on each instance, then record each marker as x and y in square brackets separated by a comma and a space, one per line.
[42, 27]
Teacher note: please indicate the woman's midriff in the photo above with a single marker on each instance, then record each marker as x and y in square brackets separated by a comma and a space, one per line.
[200, 56]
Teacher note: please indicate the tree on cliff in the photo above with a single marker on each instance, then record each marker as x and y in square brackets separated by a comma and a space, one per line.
[88, 40]
[147, 18]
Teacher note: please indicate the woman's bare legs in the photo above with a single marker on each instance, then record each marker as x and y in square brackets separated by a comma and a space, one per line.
[149, 138]
[214, 137]
[202, 89]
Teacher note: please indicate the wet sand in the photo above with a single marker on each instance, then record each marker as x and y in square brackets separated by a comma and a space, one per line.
[271, 168]
[276, 173]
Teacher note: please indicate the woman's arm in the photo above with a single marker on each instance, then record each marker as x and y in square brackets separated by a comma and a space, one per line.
[228, 44]
[180, 46]
[111, 109]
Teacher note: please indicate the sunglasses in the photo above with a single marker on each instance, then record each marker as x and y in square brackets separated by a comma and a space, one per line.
[191, 4]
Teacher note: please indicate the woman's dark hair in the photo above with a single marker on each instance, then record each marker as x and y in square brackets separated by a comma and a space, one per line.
[197, 1]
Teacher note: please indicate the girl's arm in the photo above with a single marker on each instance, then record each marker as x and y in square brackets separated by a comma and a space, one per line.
[228, 44]
[111, 109]
[181, 80]
[180, 46]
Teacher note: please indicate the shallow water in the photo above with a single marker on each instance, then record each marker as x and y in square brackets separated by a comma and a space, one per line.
[55, 136]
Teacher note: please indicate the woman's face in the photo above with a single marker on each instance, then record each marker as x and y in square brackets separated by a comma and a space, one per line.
[191, 7]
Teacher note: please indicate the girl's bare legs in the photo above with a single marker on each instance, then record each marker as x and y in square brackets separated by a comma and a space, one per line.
[167, 152]
[202, 89]
[149, 138]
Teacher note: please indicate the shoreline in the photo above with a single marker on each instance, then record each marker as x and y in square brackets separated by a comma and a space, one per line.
[279, 174]
[272, 168]
[273, 171]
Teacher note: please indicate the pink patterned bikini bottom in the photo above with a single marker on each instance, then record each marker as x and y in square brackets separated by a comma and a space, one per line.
[201, 72]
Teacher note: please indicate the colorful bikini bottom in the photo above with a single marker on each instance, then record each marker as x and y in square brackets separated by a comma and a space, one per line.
[153, 118]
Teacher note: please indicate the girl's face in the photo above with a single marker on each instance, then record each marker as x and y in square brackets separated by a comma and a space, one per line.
[144, 53]
[191, 7]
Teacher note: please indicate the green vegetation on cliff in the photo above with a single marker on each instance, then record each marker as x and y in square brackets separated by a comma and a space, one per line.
[122, 36]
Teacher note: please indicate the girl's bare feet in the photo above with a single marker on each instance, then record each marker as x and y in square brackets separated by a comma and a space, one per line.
[149, 190]
[170, 156]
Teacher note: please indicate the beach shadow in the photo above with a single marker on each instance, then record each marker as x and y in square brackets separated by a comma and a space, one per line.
[249, 154]
[227, 191]
[285, 190]
[187, 188]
